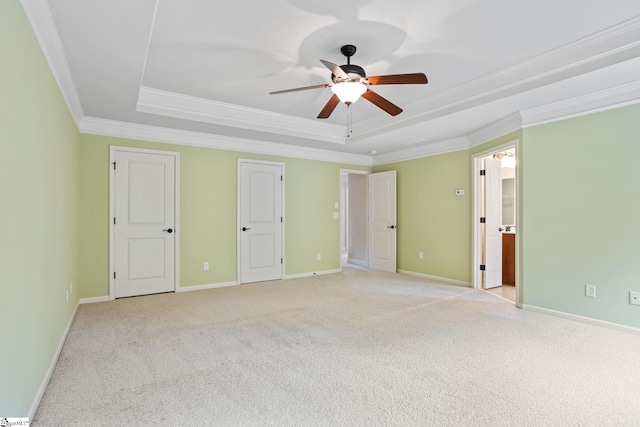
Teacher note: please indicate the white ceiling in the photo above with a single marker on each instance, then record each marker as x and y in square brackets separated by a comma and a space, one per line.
[207, 66]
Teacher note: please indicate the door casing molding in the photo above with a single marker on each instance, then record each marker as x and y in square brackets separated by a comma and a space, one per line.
[476, 248]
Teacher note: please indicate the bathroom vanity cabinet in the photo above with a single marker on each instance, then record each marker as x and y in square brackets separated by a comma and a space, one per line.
[509, 259]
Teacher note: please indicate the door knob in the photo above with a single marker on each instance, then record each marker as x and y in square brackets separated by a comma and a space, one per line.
[500, 229]
[245, 228]
[168, 230]
[391, 226]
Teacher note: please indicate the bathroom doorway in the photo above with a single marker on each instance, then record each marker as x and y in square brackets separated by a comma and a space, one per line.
[495, 221]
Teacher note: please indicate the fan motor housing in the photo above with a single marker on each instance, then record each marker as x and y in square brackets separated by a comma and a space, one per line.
[349, 69]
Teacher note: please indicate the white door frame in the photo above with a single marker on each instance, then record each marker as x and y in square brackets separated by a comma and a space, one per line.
[112, 209]
[356, 172]
[476, 256]
[239, 219]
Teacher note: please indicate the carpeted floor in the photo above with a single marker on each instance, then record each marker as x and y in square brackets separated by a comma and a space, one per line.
[359, 348]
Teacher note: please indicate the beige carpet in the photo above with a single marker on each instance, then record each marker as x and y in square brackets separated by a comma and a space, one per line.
[359, 348]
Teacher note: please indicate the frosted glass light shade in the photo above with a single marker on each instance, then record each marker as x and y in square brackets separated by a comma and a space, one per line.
[348, 92]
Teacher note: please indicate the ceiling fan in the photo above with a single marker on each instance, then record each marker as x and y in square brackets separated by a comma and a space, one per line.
[349, 82]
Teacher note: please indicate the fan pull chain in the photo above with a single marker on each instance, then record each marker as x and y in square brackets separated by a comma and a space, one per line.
[349, 122]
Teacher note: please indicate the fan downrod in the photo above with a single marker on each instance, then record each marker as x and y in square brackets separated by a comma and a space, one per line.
[348, 50]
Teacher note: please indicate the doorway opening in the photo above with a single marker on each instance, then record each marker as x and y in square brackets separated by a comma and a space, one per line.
[353, 217]
[495, 222]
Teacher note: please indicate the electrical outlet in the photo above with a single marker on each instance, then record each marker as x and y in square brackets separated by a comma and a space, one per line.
[67, 292]
[319, 257]
[205, 266]
[336, 215]
[590, 290]
[71, 288]
[420, 255]
[634, 297]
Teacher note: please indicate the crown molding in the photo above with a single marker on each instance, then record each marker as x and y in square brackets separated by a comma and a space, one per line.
[497, 129]
[594, 102]
[113, 128]
[171, 104]
[41, 20]
[426, 150]
[610, 46]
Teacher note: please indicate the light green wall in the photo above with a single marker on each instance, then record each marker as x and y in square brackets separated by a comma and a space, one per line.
[581, 210]
[431, 218]
[38, 146]
[208, 213]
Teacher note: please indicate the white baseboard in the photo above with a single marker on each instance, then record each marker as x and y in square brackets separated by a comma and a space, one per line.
[360, 262]
[93, 300]
[209, 286]
[583, 319]
[52, 366]
[439, 279]
[313, 273]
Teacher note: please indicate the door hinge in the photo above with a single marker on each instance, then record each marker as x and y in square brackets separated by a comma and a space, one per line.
[280, 219]
[114, 274]
[114, 165]
[483, 172]
[114, 220]
[281, 261]
[281, 178]
[483, 220]
[482, 267]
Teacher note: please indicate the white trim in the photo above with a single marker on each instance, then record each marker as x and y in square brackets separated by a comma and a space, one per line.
[41, 19]
[93, 300]
[209, 286]
[118, 129]
[52, 366]
[171, 104]
[430, 149]
[495, 130]
[594, 102]
[282, 210]
[311, 274]
[615, 97]
[583, 319]
[176, 253]
[437, 278]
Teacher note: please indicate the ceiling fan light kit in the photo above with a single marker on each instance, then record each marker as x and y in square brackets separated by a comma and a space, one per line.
[349, 92]
[349, 82]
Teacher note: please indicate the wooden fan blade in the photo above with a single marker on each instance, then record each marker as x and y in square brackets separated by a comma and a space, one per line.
[381, 102]
[399, 79]
[299, 88]
[329, 107]
[335, 69]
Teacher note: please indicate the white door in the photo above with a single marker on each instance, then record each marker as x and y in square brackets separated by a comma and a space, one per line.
[382, 220]
[260, 222]
[144, 223]
[493, 223]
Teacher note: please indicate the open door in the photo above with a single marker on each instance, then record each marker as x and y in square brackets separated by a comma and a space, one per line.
[382, 220]
[493, 223]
